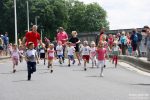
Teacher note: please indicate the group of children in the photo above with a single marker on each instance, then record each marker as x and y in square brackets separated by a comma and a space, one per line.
[97, 55]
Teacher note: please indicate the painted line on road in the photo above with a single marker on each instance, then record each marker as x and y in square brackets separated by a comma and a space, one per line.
[128, 66]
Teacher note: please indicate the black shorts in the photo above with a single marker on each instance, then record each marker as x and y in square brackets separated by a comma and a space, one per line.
[76, 49]
[42, 55]
[134, 46]
[1, 48]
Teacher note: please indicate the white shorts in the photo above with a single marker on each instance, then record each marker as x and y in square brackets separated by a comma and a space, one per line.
[101, 63]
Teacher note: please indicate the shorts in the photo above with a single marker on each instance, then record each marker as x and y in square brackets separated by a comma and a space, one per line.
[1, 48]
[134, 47]
[50, 58]
[42, 55]
[70, 57]
[60, 56]
[86, 57]
[100, 63]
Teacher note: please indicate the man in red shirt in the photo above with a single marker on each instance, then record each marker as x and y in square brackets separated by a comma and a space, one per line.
[63, 37]
[32, 36]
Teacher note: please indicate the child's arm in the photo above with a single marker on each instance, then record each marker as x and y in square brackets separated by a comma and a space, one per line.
[37, 57]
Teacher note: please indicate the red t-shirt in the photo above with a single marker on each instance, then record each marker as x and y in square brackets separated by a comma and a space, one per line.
[101, 53]
[61, 36]
[32, 37]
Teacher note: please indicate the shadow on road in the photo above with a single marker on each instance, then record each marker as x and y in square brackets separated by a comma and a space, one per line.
[21, 81]
[142, 84]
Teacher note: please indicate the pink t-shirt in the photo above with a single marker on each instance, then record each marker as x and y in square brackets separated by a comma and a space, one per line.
[101, 53]
[61, 36]
[51, 54]
[110, 40]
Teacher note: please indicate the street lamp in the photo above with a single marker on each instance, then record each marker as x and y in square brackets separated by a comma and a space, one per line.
[28, 15]
[42, 33]
[36, 17]
[16, 39]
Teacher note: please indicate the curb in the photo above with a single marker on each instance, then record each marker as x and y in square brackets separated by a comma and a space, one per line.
[135, 62]
[1, 58]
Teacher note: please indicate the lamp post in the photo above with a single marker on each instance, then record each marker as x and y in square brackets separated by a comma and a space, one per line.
[42, 33]
[28, 15]
[16, 38]
[36, 17]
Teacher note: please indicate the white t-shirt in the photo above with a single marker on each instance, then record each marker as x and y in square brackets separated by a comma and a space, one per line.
[70, 50]
[15, 53]
[85, 50]
[31, 55]
[59, 49]
[92, 51]
[116, 48]
[42, 50]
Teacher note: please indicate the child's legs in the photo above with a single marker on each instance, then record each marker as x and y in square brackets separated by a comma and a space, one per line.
[77, 55]
[33, 66]
[29, 67]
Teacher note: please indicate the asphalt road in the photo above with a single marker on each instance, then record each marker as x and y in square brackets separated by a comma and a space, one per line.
[72, 83]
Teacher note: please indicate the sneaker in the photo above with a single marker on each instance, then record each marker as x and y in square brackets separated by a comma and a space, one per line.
[51, 71]
[68, 65]
[101, 75]
[29, 78]
[73, 62]
[104, 66]
[79, 64]
[14, 71]
[48, 66]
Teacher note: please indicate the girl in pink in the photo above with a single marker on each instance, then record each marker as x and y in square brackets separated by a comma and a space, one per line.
[110, 41]
[50, 52]
[93, 53]
[101, 53]
[15, 56]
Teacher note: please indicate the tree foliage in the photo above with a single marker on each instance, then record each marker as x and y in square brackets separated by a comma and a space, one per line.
[70, 14]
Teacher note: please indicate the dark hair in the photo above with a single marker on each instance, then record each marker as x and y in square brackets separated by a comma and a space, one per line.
[146, 26]
[30, 43]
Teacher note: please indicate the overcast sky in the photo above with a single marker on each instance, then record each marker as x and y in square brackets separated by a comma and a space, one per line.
[124, 14]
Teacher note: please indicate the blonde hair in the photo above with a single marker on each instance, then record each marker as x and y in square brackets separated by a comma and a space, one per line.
[74, 33]
[85, 42]
[92, 43]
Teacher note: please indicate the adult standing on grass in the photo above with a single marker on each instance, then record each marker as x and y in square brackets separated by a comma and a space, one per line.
[63, 37]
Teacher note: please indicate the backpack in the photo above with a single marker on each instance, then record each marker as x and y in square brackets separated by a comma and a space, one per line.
[135, 38]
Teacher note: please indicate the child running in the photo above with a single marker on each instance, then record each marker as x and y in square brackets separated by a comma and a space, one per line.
[101, 53]
[15, 56]
[42, 51]
[21, 51]
[70, 53]
[59, 49]
[51, 53]
[93, 53]
[115, 52]
[31, 57]
[85, 50]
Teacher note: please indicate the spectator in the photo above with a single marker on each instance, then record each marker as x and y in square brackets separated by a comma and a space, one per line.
[6, 42]
[63, 37]
[147, 41]
[139, 43]
[134, 41]
[123, 41]
[1, 45]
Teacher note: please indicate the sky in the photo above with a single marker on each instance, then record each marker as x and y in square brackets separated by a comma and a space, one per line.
[124, 14]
